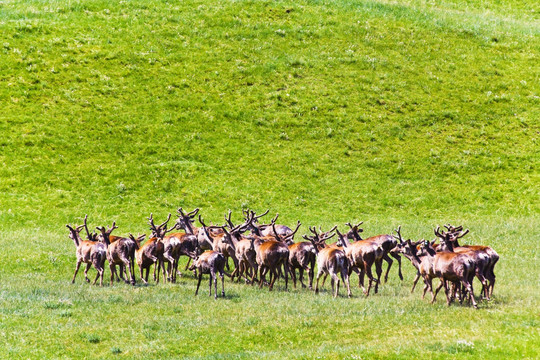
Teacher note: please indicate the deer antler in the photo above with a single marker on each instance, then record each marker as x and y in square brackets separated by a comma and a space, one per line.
[193, 213]
[228, 219]
[398, 232]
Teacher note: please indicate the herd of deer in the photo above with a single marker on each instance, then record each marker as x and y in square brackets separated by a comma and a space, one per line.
[270, 249]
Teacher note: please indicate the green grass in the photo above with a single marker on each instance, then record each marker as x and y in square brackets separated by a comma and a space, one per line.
[415, 112]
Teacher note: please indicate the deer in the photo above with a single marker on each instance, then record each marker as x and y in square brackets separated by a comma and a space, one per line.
[271, 254]
[148, 254]
[121, 252]
[492, 255]
[171, 246]
[451, 267]
[302, 255]
[362, 254]
[330, 261]
[480, 258]
[89, 251]
[257, 234]
[399, 249]
[387, 242]
[269, 229]
[209, 262]
[185, 222]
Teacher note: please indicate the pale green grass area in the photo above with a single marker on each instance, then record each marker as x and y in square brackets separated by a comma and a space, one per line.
[415, 112]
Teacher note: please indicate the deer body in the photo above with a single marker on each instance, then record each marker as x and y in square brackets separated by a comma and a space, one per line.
[271, 255]
[148, 254]
[88, 252]
[302, 256]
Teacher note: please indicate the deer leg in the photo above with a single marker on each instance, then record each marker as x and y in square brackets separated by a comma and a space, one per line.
[274, 275]
[389, 261]
[301, 275]
[332, 284]
[324, 279]
[101, 275]
[222, 282]
[361, 275]
[286, 272]
[262, 273]
[141, 272]
[99, 272]
[187, 265]
[319, 273]
[378, 270]
[198, 283]
[212, 274]
[311, 274]
[76, 270]
[121, 272]
[215, 285]
[293, 276]
[345, 275]
[471, 294]
[86, 272]
[415, 281]
[335, 283]
[398, 258]
[430, 284]
[112, 267]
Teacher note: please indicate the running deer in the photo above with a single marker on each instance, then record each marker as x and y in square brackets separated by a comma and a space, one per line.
[330, 261]
[89, 252]
[209, 262]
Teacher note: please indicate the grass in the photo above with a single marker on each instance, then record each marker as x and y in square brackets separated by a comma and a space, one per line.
[413, 112]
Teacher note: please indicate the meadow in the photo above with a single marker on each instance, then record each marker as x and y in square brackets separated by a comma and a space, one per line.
[413, 113]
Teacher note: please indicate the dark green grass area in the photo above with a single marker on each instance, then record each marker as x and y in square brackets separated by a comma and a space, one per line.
[415, 112]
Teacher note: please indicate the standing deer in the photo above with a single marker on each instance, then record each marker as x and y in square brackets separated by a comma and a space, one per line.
[89, 251]
[387, 243]
[171, 246]
[330, 261]
[451, 267]
[492, 255]
[148, 254]
[480, 258]
[209, 262]
[185, 222]
[362, 254]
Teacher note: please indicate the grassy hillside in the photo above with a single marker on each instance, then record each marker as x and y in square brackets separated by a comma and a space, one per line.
[415, 113]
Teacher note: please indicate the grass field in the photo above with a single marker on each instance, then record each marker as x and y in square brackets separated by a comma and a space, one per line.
[414, 112]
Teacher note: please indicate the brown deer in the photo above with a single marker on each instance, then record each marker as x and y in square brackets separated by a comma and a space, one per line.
[148, 254]
[185, 222]
[171, 246]
[387, 243]
[480, 258]
[90, 252]
[209, 262]
[121, 252]
[492, 255]
[330, 261]
[268, 229]
[362, 254]
[451, 267]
